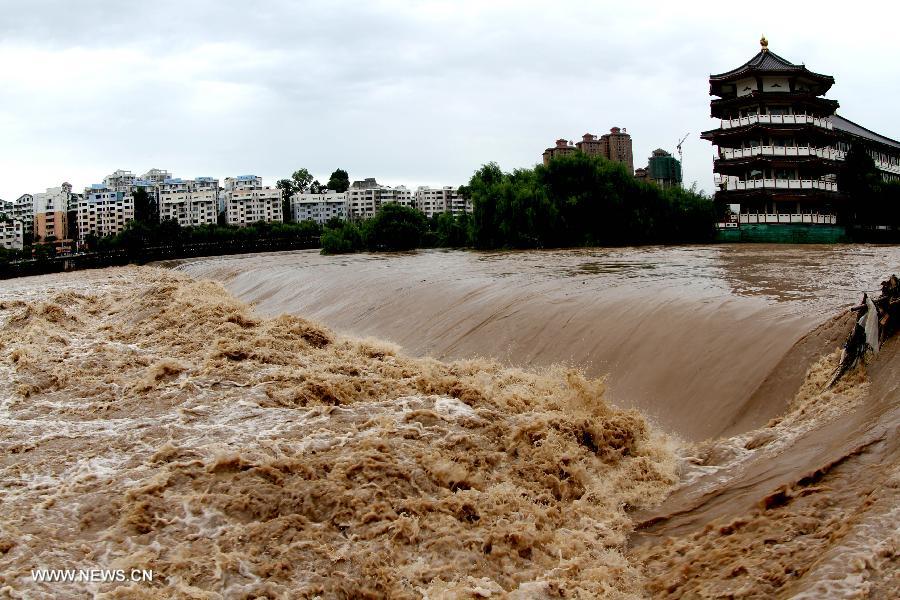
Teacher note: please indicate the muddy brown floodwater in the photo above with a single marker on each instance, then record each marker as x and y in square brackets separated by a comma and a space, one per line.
[435, 425]
[686, 334]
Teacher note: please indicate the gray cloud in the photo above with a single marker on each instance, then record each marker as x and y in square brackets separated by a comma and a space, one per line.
[409, 92]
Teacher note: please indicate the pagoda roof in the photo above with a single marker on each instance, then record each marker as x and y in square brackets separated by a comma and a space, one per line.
[767, 61]
[848, 126]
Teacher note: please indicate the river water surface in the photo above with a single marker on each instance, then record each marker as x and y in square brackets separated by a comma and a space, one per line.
[672, 327]
[191, 421]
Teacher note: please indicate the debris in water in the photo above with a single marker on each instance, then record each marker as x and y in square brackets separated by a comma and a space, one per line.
[865, 338]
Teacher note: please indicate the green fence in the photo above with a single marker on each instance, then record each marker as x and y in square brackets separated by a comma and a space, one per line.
[784, 234]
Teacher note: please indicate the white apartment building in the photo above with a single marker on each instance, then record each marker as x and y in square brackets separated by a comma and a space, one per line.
[55, 199]
[318, 207]
[103, 211]
[211, 184]
[175, 200]
[432, 201]
[247, 201]
[364, 198]
[458, 205]
[127, 183]
[189, 202]
[51, 209]
[12, 234]
[156, 176]
[119, 180]
[21, 209]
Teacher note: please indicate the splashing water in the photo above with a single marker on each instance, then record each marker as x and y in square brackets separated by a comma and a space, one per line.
[151, 421]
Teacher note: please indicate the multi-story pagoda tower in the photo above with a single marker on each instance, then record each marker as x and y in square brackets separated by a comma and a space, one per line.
[776, 153]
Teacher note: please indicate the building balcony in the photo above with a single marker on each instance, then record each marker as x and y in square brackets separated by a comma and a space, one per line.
[781, 151]
[809, 218]
[798, 99]
[777, 120]
[888, 167]
[779, 184]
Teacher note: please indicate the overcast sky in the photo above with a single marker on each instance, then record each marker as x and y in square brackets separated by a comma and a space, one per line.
[407, 92]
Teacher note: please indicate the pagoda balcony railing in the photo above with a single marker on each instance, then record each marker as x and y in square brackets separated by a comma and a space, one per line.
[889, 167]
[824, 123]
[781, 184]
[811, 218]
[799, 151]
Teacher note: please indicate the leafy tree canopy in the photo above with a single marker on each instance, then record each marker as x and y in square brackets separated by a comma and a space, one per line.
[339, 181]
[395, 227]
[581, 200]
[301, 178]
[145, 209]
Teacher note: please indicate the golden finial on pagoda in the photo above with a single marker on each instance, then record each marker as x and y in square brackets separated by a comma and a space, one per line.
[764, 43]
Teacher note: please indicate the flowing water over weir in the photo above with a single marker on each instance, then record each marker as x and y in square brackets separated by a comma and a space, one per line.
[150, 420]
[686, 334]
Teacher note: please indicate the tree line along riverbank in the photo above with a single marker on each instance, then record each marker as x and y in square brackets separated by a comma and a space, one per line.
[575, 200]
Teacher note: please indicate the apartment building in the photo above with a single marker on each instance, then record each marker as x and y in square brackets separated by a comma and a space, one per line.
[615, 145]
[211, 184]
[103, 211]
[365, 197]
[432, 201]
[190, 202]
[247, 201]
[119, 180]
[318, 207]
[128, 183]
[561, 148]
[619, 148]
[51, 216]
[156, 176]
[12, 234]
[21, 209]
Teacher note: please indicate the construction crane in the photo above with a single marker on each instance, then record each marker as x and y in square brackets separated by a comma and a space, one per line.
[680, 155]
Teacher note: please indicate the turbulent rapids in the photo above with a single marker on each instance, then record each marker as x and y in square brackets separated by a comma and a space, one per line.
[150, 420]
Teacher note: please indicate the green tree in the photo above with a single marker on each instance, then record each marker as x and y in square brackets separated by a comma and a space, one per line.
[287, 190]
[43, 252]
[339, 181]
[302, 178]
[287, 187]
[860, 181]
[889, 203]
[145, 209]
[450, 231]
[484, 191]
[299, 182]
[92, 241]
[580, 200]
[334, 223]
[341, 238]
[395, 227]
[7, 256]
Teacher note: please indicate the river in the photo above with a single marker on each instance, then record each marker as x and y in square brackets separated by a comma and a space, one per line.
[672, 327]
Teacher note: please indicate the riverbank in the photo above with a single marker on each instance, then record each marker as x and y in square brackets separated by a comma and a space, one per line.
[102, 260]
